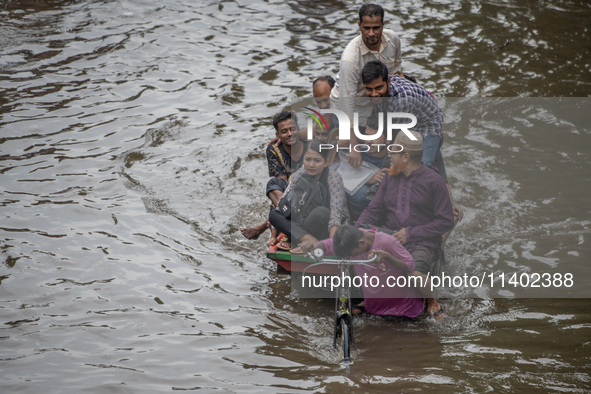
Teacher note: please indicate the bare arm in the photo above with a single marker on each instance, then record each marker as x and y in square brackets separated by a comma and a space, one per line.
[333, 230]
[396, 262]
[377, 177]
[458, 211]
[309, 246]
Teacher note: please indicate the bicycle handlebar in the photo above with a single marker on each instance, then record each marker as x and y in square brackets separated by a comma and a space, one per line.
[341, 261]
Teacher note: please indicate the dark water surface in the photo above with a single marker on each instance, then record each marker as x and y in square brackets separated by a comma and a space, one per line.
[132, 140]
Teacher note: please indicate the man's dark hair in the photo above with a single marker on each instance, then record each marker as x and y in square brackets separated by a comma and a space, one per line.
[281, 116]
[325, 78]
[371, 10]
[345, 239]
[373, 70]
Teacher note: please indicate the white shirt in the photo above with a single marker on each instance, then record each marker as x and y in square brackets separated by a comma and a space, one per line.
[355, 56]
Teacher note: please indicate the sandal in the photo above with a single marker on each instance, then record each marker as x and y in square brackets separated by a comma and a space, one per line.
[360, 308]
[439, 312]
[284, 244]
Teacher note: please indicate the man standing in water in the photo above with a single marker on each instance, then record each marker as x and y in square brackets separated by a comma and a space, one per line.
[283, 160]
[374, 43]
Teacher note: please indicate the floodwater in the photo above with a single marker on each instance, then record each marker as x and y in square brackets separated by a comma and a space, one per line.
[132, 138]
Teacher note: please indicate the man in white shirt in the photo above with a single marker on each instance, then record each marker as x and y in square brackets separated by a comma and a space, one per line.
[374, 43]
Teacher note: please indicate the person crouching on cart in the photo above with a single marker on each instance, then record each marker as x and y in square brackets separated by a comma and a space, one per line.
[314, 202]
[390, 289]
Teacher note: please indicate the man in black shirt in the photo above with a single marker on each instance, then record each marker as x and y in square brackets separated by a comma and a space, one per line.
[282, 160]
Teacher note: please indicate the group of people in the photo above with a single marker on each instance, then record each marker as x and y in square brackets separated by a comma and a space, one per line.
[403, 211]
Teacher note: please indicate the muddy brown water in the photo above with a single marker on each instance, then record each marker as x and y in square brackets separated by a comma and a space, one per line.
[132, 140]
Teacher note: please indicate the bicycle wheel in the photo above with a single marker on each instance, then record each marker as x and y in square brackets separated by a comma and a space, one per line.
[346, 338]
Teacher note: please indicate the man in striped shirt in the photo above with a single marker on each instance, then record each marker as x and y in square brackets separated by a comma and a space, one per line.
[392, 93]
[396, 94]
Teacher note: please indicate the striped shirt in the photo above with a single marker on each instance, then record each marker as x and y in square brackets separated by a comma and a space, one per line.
[410, 97]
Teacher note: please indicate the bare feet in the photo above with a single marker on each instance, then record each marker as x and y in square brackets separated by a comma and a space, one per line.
[358, 309]
[435, 310]
[273, 240]
[284, 245]
[254, 232]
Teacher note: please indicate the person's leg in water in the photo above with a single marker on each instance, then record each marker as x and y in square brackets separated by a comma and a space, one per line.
[424, 260]
[275, 189]
[256, 231]
[358, 309]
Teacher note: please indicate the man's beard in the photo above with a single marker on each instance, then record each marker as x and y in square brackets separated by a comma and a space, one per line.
[372, 40]
[396, 170]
